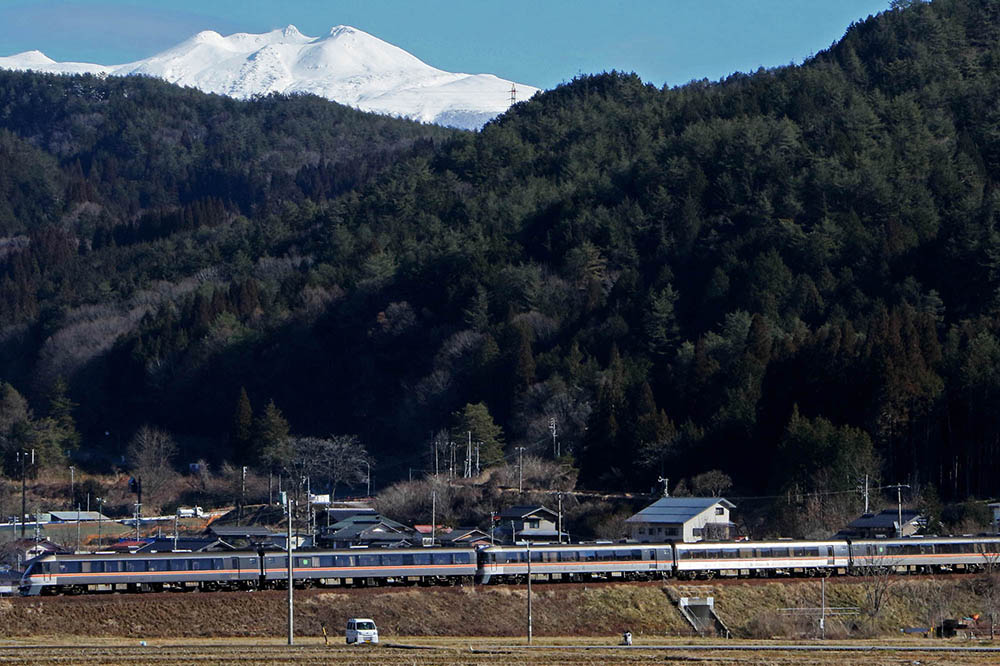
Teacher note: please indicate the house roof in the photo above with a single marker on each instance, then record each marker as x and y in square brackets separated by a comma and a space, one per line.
[524, 511]
[194, 544]
[885, 519]
[367, 520]
[241, 531]
[677, 509]
[73, 516]
[369, 532]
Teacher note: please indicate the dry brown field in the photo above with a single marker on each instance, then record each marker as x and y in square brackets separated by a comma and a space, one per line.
[447, 651]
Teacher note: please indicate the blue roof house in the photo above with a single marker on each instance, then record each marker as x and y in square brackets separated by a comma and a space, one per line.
[683, 519]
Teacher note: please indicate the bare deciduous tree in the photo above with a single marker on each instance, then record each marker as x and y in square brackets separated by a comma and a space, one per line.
[335, 460]
[875, 571]
[150, 455]
[989, 582]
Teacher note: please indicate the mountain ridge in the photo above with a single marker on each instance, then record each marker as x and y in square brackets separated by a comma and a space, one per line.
[347, 65]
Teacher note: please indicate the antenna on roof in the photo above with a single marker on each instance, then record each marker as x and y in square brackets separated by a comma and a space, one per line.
[665, 482]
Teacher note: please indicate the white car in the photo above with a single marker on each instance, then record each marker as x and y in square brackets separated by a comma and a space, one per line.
[361, 630]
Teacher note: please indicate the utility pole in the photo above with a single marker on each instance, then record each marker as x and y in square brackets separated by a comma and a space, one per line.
[666, 485]
[478, 472]
[368, 479]
[899, 506]
[72, 485]
[436, 446]
[138, 506]
[434, 497]
[291, 574]
[22, 456]
[78, 528]
[559, 495]
[100, 517]
[520, 469]
[468, 456]
[552, 429]
[527, 550]
[177, 515]
[243, 492]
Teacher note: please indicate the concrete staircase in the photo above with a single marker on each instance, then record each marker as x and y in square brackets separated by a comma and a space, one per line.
[698, 609]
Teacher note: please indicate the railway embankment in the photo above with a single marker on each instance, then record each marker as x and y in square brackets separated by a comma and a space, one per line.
[751, 609]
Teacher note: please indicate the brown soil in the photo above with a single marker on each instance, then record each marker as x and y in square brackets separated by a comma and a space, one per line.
[604, 610]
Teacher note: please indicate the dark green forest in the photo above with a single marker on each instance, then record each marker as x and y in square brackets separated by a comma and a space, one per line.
[790, 275]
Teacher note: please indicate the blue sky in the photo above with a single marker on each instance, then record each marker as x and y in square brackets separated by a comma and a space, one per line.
[538, 42]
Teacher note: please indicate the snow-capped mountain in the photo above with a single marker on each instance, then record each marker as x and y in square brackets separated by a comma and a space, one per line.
[348, 66]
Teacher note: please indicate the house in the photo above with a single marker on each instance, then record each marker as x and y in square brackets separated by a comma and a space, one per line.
[683, 519]
[465, 536]
[453, 536]
[885, 524]
[527, 523]
[16, 553]
[367, 530]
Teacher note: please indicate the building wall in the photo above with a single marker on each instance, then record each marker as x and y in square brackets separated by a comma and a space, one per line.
[652, 532]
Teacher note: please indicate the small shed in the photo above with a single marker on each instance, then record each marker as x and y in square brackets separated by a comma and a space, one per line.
[686, 519]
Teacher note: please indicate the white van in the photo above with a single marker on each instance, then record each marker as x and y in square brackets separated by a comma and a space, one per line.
[361, 630]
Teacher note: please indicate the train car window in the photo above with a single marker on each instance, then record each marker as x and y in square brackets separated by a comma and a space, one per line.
[217, 564]
[550, 556]
[568, 556]
[326, 560]
[92, 567]
[465, 558]
[392, 560]
[536, 556]
[425, 558]
[746, 553]
[441, 558]
[698, 554]
[178, 564]
[730, 554]
[69, 567]
[135, 565]
[368, 560]
[813, 551]
[114, 565]
[303, 561]
[587, 556]
[205, 565]
[763, 552]
[840, 551]
[798, 552]
[779, 552]
[343, 560]
[625, 554]
[158, 565]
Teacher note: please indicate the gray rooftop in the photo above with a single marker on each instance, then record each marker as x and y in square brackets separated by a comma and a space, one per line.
[885, 519]
[677, 509]
[73, 516]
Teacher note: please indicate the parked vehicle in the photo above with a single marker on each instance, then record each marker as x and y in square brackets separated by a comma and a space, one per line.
[361, 630]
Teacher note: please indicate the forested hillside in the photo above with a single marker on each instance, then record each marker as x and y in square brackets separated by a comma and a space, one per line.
[790, 275]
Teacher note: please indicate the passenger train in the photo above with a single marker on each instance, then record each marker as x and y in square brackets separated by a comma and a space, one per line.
[247, 570]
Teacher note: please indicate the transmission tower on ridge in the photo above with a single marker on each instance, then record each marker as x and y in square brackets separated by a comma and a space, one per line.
[513, 94]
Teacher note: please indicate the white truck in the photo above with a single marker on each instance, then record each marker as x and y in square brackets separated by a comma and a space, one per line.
[361, 630]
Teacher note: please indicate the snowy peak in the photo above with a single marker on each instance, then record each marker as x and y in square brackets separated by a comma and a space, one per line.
[347, 65]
